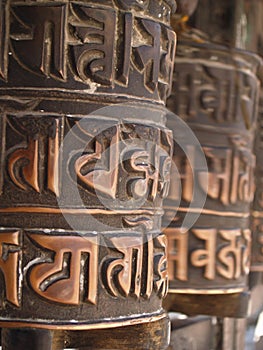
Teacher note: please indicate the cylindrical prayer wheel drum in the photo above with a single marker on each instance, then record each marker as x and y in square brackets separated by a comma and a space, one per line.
[257, 212]
[254, 11]
[84, 162]
[216, 92]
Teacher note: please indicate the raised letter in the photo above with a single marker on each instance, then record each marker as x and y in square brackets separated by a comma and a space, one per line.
[29, 169]
[38, 36]
[59, 279]
[9, 263]
[206, 257]
[177, 253]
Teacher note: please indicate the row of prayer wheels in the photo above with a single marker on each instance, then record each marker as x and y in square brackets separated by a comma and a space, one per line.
[105, 193]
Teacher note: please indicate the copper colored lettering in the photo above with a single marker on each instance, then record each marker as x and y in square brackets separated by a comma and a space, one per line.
[94, 42]
[9, 264]
[53, 160]
[29, 169]
[124, 274]
[59, 279]
[230, 255]
[160, 266]
[104, 177]
[206, 257]
[177, 254]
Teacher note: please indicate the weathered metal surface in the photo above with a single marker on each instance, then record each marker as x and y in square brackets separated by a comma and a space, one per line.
[216, 92]
[82, 190]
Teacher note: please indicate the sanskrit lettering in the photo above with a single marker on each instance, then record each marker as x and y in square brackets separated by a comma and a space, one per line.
[160, 264]
[59, 279]
[230, 175]
[222, 95]
[144, 164]
[24, 163]
[222, 253]
[70, 269]
[123, 275]
[90, 45]
[10, 258]
[93, 48]
[178, 253]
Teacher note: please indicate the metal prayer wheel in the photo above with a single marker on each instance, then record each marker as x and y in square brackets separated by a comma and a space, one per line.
[84, 163]
[254, 12]
[216, 92]
[257, 217]
[239, 24]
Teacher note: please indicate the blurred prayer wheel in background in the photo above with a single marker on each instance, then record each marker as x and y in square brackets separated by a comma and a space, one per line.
[254, 11]
[257, 213]
[216, 92]
[239, 24]
[84, 166]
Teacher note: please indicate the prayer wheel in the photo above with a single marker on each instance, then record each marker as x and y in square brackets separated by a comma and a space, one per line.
[257, 213]
[239, 24]
[84, 166]
[216, 92]
[254, 11]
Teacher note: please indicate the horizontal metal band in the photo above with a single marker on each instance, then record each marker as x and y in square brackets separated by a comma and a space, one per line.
[257, 214]
[45, 324]
[76, 211]
[70, 94]
[256, 268]
[207, 291]
[210, 212]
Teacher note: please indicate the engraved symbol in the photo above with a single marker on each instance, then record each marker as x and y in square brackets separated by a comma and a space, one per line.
[147, 57]
[41, 31]
[9, 264]
[92, 43]
[222, 95]
[140, 267]
[145, 164]
[29, 170]
[124, 274]
[24, 164]
[234, 256]
[59, 278]
[177, 253]
[160, 266]
[206, 257]
[102, 178]
[167, 62]
[225, 253]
